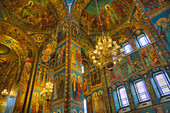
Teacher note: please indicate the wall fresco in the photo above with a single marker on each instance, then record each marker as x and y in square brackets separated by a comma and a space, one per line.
[76, 110]
[48, 52]
[159, 53]
[87, 84]
[76, 83]
[76, 86]
[98, 101]
[151, 4]
[162, 23]
[76, 55]
[61, 110]
[60, 54]
[37, 102]
[89, 104]
[124, 68]
[62, 32]
[149, 57]
[41, 76]
[95, 76]
[75, 32]
[59, 85]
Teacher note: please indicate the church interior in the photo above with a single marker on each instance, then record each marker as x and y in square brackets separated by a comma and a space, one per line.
[84, 56]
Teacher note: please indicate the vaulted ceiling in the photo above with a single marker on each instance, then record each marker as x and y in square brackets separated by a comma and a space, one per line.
[38, 20]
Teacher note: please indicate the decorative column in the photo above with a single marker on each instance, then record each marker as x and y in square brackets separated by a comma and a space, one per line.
[68, 93]
[76, 92]
[112, 103]
[151, 91]
[105, 89]
[130, 97]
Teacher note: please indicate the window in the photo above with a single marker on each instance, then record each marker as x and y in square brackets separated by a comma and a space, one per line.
[162, 83]
[82, 68]
[85, 107]
[143, 40]
[127, 48]
[141, 90]
[123, 98]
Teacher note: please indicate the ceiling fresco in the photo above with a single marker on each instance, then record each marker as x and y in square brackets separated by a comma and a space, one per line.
[4, 50]
[5, 58]
[36, 15]
[112, 14]
[13, 37]
[40, 18]
[13, 45]
[78, 7]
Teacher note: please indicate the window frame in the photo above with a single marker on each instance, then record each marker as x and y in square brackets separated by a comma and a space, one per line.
[140, 36]
[137, 92]
[119, 98]
[125, 44]
[157, 84]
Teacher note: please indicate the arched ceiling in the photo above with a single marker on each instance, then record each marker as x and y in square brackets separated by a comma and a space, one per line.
[34, 15]
[40, 16]
[5, 58]
[43, 15]
[13, 37]
[112, 14]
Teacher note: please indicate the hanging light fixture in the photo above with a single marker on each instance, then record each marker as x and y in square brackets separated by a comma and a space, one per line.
[47, 91]
[4, 93]
[106, 50]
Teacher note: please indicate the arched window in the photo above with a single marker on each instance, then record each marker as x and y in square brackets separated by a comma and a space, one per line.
[127, 48]
[162, 83]
[141, 38]
[123, 98]
[142, 91]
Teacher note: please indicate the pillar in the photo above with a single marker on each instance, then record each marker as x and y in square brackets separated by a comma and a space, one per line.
[130, 97]
[112, 103]
[105, 89]
[151, 91]
[68, 96]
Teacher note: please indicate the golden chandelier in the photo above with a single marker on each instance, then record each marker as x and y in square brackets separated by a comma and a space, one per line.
[47, 91]
[107, 51]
